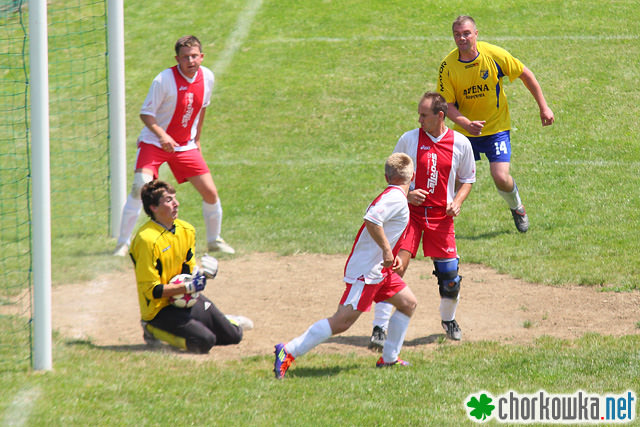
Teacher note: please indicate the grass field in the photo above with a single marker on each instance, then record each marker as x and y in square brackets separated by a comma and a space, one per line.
[310, 98]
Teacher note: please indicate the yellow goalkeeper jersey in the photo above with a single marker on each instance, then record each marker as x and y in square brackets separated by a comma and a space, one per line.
[159, 254]
[475, 87]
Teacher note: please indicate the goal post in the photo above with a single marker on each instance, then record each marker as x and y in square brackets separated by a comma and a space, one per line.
[62, 157]
[117, 122]
[69, 103]
[41, 191]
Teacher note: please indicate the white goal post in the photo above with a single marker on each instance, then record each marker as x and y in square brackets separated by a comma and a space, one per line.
[40, 160]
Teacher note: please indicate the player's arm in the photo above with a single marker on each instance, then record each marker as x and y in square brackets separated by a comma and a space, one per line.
[149, 282]
[531, 83]
[473, 127]
[446, 89]
[165, 139]
[377, 233]
[453, 208]
[200, 122]
[188, 287]
[165, 290]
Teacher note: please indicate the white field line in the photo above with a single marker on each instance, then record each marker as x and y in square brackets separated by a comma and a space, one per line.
[577, 37]
[234, 42]
[334, 161]
[237, 36]
[17, 414]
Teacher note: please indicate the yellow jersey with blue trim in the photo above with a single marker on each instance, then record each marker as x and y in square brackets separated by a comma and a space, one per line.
[159, 254]
[475, 87]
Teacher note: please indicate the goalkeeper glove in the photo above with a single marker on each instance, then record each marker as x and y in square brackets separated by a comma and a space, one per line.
[209, 266]
[197, 283]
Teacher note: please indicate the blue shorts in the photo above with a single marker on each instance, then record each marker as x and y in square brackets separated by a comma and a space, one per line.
[496, 147]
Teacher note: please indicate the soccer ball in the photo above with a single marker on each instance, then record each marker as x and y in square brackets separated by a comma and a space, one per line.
[183, 300]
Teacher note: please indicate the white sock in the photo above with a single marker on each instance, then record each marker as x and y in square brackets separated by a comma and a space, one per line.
[513, 197]
[130, 214]
[398, 325]
[382, 314]
[315, 335]
[212, 214]
[448, 308]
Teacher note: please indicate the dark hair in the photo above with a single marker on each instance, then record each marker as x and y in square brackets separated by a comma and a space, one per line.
[438, 103]
[461, 20]
[152, 193]
[187, 41]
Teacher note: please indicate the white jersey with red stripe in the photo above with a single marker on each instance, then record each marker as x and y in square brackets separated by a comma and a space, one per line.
[390, 211]
[438, 162]
[176, 103]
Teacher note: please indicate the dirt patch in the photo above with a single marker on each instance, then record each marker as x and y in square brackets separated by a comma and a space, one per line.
[283, 295]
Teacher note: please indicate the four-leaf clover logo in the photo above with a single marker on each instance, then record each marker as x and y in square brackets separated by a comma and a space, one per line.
[482, 408]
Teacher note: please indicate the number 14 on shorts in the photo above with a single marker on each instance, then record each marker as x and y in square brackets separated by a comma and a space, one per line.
[501, 147]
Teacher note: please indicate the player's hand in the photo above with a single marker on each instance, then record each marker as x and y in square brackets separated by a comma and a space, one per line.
[387, 258]
[475, 127]
[453, 209]
[209, 266]
[197, 283]
[397, 264]
[168, 144]
[546, 116]
[417, 197]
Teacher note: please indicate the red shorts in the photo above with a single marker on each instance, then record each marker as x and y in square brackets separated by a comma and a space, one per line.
[436, 231]
[361, 296]
[183, 164]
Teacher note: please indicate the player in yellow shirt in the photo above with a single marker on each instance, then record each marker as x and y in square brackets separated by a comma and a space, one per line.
[471, 81]
[163, 248]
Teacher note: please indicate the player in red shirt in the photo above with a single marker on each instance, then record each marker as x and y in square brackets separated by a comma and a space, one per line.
[173, 113]
[443, 159]
[369, 274]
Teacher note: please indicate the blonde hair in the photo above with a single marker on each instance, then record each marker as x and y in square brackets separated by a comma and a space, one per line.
[399, 165]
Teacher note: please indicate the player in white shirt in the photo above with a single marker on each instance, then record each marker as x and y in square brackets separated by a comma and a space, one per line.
[173, 113]
[443, 159]
[369, 274]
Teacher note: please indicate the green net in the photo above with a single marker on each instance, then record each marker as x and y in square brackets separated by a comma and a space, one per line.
[15, 233]
[79, 152]
[78, 120]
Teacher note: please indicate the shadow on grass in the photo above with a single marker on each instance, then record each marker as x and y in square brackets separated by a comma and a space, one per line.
[355, 341]
[162, 348]
[363, 341]
[483, 236]
[304, 372]
[430, 339]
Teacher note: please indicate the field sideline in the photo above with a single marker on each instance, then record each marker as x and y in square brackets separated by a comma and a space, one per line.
[310, 98]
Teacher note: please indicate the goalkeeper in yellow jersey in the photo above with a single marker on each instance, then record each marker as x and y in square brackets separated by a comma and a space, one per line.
[163, 248]
[471, 81]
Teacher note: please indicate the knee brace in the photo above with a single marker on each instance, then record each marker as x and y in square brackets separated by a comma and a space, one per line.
[139, 180]
[448, 278]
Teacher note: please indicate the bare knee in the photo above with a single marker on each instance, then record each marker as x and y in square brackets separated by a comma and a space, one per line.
[502, 177]
[339, 325]
[408, 306]
[210, 197]
[343, 319]
[404, 301]
[505, 185]
[206, 187]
